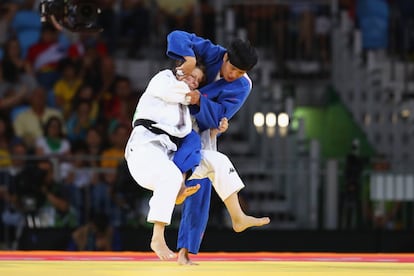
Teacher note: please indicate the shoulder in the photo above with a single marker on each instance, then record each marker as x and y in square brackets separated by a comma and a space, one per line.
[161, 79]
[246, 81]
[163, 74]
[243, 83]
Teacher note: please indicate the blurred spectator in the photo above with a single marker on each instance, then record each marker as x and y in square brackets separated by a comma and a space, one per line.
[44, 201]
[53, 143]
[96, 235]
[304, 13]
[134, 26]
[26, 25]
[79, 122]
[384, 214]
[16, 71]
[107, 19]
[387, 215]
[10, 97]
[178, 14]
[66, 86]
[78, 176]
[85, 93]
[104, 81]
[115, 152]
[44, 56]
[6, 136]
[88, 46]
[110, 160]
[28, 124]
[12, 214]
[55, 210]
[257, 21]
[95, 143]
[7, 12]
[130, 200]
[206, 25]
[121, 105]
[86, 53]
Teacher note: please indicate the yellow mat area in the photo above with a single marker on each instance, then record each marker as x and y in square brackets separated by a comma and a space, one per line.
[210, 268]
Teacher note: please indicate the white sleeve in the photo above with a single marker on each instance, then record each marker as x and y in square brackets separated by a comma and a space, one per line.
[166, 87]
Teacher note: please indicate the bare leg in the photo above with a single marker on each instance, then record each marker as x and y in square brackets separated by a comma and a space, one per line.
[184, 258]
[239, 219]
[158, 244]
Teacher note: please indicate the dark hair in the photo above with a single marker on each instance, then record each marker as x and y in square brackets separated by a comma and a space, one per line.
[198, 65]
[241, 54]
[203, 69]
[49, 122]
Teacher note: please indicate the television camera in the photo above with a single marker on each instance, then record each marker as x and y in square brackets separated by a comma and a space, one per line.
[73, 15]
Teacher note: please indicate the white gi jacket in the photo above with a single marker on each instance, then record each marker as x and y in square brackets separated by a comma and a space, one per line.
[149, 155]
[159, 103]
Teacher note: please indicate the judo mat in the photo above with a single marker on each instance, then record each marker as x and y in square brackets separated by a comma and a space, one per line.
[59, 263]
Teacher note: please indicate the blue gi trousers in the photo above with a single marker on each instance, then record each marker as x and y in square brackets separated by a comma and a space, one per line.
[196, 208]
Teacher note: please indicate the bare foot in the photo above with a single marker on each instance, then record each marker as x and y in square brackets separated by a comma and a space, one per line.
[245, 222]
[162, 250]
[186, 192]
[184, 258]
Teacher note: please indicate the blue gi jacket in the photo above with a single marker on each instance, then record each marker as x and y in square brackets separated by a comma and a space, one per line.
[219, 98]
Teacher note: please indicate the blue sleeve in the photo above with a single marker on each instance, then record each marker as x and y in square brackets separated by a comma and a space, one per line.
[180, 44]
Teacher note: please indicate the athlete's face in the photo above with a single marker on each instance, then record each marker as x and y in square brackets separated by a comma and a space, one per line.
[229, 72]
[193, 80]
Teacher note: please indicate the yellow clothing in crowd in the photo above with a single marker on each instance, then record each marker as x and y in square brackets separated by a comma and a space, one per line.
[112, 157]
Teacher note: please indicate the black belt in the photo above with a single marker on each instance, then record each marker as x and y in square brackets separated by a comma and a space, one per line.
[148, 124]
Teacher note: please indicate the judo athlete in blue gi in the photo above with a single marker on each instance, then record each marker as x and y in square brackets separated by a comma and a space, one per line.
[227, 88]
[161, 123]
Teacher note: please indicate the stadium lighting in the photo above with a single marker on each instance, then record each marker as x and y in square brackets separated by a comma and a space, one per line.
[283, 119]
[259, 121]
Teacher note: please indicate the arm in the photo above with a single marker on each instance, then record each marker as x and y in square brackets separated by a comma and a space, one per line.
[185, 46]
[224, 125]
[165, 86]
[223, 101]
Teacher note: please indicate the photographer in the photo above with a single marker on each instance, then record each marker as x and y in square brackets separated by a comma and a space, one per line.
[42, 199]
[75, 16]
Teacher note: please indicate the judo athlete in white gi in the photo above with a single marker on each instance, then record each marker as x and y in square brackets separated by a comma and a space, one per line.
[161, 121]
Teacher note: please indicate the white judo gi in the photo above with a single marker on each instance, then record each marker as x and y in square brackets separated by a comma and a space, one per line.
[149, 155]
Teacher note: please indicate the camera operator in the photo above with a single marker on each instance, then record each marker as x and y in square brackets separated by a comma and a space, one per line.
[43, 200]
[73, 15]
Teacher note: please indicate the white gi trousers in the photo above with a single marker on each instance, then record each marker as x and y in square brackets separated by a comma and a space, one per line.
[149, 159]
[221, 172]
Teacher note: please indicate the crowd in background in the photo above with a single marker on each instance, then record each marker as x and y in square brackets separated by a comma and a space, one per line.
[65, 116]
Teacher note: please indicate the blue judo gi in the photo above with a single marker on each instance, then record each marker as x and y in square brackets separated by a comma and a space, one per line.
[219, 99]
